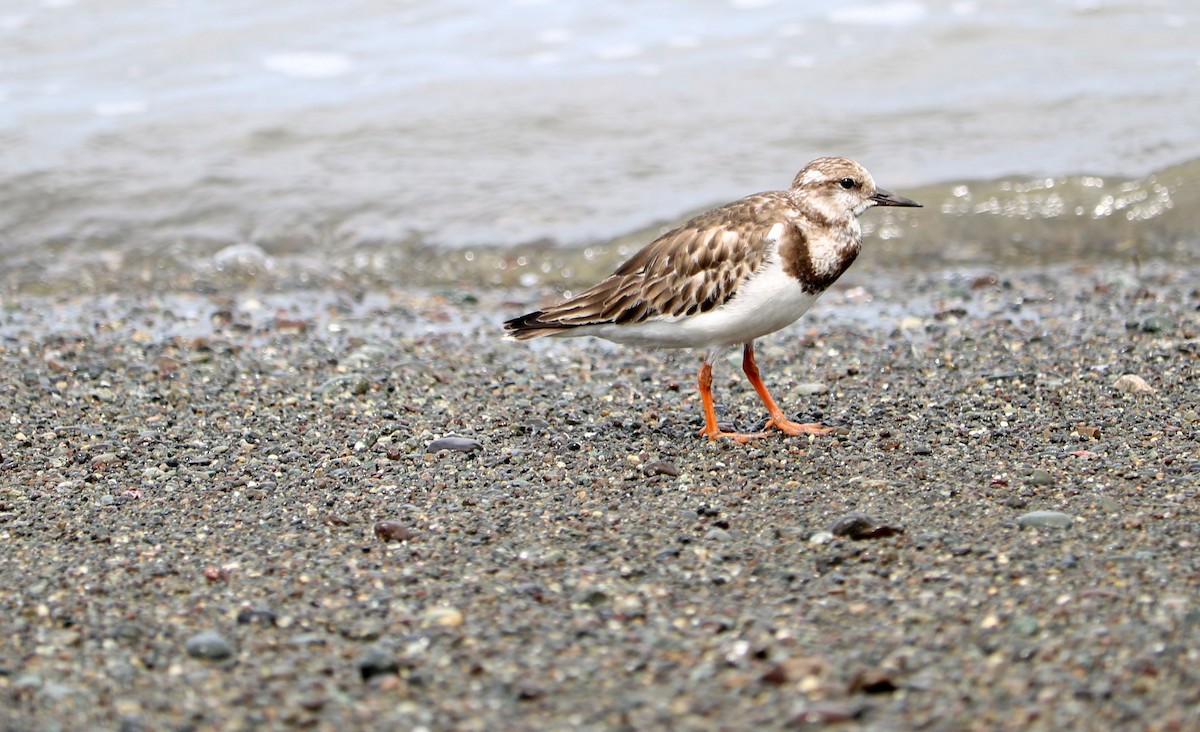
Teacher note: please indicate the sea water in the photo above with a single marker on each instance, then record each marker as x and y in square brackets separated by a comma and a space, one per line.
[417, 140]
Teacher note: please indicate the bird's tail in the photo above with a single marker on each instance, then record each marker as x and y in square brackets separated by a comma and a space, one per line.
[531, 325]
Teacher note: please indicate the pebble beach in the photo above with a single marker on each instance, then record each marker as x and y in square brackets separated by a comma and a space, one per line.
[349, 509]
[267, 463]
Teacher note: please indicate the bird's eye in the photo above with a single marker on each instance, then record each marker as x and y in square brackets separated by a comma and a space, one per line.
[846, 183]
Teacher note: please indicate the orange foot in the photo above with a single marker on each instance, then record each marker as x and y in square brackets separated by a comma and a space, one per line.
[715, 433]
[787, 427]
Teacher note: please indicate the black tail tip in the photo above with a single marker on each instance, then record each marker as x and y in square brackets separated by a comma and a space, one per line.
[525, 326]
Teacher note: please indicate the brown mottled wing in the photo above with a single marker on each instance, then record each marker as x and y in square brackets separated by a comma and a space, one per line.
[686, 271]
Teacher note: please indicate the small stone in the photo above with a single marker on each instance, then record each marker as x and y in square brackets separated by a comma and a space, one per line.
[1040, 477]
[856, 525]
[821, 537]
[851, 524]
[872, 681]
[454, 444]
[591, 598]
[1044, 520]
[796, 669]
[447, 617]
[1025, 625]
[660, 467]
[248, 616]
[810, 389]
[377, 662]
[209, 644]
[1158, 324]
[717, 534]
[392, 531]
[1133, 384]
[26, 684]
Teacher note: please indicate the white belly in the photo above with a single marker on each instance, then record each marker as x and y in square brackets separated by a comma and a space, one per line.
[769, 301]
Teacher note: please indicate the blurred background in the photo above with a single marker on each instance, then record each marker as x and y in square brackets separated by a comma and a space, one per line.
[162, 143]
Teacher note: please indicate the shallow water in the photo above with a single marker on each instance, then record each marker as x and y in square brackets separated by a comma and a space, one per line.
[173, 142]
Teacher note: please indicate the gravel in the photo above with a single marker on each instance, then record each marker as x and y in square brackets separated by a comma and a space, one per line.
[391, 518]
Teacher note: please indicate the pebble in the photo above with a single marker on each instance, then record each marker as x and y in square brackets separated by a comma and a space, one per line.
[660, 467]
[810, 389]
[392, 531]
[1044, 520]
[857, 525]
[446, 617]
[1039, 476]
[377, 662]
[248, 616]
[454, 444]
[209, 644]
[1133, 384]
[1158, 324]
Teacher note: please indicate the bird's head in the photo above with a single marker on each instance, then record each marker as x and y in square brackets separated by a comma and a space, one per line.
[841, 189]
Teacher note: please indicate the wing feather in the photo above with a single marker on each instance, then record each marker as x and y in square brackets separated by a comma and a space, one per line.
[689, 270]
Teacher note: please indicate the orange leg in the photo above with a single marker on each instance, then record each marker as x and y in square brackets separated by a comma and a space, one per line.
[777, 420]
[711, 430]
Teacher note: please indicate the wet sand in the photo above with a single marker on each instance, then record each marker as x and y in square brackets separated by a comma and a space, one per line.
[222, 511]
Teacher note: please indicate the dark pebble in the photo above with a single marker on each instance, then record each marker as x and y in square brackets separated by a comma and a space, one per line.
[856, 525]
[872, 681]
[209, 644]
[392, 531]
[377, 662]
[1158, 324]
[660, 467]
[455, 444]
[248, 616]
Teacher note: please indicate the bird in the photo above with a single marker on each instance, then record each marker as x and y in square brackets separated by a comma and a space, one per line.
[728, 277]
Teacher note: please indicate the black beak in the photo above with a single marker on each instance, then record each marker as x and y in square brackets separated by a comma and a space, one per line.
[887, 198]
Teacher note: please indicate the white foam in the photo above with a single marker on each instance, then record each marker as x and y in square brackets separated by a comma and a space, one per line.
[555, 35]
[308, 64]
[683, 42]
[619, 52]
[13, 22]
[546, 58]
[121, 108]
[901, 12]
